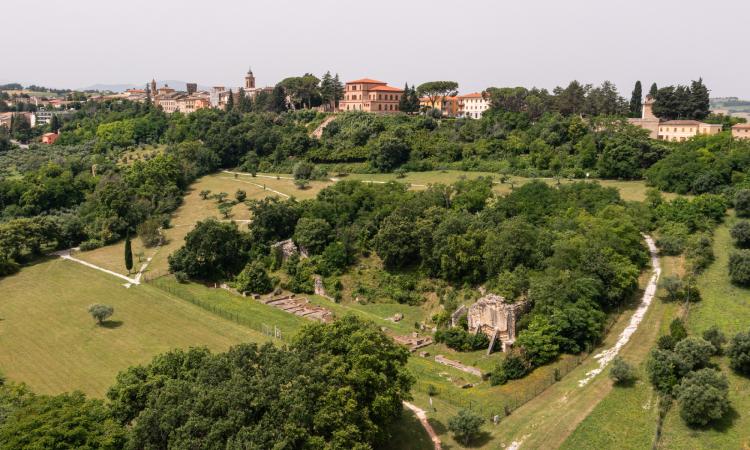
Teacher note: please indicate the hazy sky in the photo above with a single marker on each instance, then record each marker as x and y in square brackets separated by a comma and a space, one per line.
[479, 43]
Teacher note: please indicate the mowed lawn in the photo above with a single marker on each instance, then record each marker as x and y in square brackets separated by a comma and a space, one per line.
[49, 341]
[727, 306]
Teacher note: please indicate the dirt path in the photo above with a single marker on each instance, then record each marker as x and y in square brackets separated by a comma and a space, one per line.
[548, 420]
[65, 254]
[256, 184]
[422, 416]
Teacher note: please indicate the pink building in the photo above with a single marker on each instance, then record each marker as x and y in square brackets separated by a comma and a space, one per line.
[371, 96]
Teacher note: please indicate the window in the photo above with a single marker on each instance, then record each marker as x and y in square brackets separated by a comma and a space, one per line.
[380, 107]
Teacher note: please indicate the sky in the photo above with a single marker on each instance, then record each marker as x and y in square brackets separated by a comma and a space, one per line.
[478, 43]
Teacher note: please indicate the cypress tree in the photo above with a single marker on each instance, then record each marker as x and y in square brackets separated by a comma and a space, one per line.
[654, 89]
[54, 123]
[700, 104]
[230, 101]
[635, 100]
[128, 253]
[338, 90]
[414, 99]
[404, 104]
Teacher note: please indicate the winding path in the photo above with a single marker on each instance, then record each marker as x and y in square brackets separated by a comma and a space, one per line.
[422, 416]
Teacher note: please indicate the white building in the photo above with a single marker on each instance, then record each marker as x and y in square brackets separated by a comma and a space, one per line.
[473, 105]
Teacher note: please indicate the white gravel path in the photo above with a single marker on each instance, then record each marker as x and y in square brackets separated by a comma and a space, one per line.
[609, 354]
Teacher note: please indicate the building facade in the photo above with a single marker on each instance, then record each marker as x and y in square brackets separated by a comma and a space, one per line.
[671, 130]
[371, 96]
[741, 131]
[473, 105]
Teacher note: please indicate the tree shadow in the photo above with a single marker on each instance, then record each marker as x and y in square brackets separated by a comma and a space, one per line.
[111, 324]
[482, 439]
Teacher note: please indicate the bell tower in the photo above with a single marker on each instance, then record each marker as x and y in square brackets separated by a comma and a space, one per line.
[249, 80]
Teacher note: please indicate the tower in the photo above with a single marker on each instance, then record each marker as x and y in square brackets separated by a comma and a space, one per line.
[153, 86]
[648, 108]
[249, 80]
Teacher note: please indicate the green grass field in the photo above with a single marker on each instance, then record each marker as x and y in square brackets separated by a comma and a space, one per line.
[727, 306]
[49, 340]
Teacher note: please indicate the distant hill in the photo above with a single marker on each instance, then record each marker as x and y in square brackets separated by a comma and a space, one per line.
[175, 84]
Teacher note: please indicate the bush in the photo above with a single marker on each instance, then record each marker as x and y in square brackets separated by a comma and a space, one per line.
[621, 372]
[665, 342]
[100, 312]
[695, 352]
[739, 267]
[181, 277]
[150, 232]
[716, 338]
[741, 233]
[672, 238]
[665, 369]
[465, 426]
[91, 244]
[703, 396]
[742, 203]
[240, 195]
[254, 279]
[8, 266]
[677, 330]
[513, 367]
[461, 340]
[303, 170]
[739, 353]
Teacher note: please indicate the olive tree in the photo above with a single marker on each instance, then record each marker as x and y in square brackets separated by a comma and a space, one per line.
[465, 426]
[703, 396]
[100, 312]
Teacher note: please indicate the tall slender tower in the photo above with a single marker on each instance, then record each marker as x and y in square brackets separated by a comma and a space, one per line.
[249, 80]
[153, 86]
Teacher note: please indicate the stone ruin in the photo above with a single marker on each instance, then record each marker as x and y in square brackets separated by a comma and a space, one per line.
[496, 318]
[413, 341]
[289, 248]
[300, 307]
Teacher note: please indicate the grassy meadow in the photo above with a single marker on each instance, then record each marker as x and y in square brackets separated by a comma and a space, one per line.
[49, 340]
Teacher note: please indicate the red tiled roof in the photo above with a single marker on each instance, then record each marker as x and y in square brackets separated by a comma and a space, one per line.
[366, 81]
[741, 125]
[387, 88]
[472, 95]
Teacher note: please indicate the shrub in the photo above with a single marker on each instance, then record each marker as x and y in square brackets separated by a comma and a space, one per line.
[621, 372]
[513, 367]
[677, 330]
[8, 266]
[699, 251]
[465, 426]
[100, 312]
[253, 278]
[695, 352]
[665, 369]
[665, 342]
[739, 267]
[240, 195]
[91, 244]
[672, 238]
[303, 170]
[150, 232]
[742, 203]
[461, 340]
[741, 233]
[673, 286]
[181, 277]
[739, 353]
[716, 338]
[703, 396]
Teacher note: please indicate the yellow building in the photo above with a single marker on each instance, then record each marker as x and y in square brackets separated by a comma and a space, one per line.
[671, 130]
[741, 131]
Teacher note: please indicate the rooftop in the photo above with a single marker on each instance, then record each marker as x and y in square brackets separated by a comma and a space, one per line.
[387, 88]
[366, 81]
[682, 122]
[741, 126]
[472, 95]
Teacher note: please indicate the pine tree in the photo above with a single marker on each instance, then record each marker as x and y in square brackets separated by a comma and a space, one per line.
[54, 123]
[338, 90]
[636, 103]
[148, 95]
[414, 99]
[128, 253]
[327, 89]
[230, 101]
[654, 89]
[700, 104]
[278, 100]
[404, 104]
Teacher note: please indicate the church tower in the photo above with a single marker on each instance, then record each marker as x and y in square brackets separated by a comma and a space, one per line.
[153, 86]
[249, 80]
